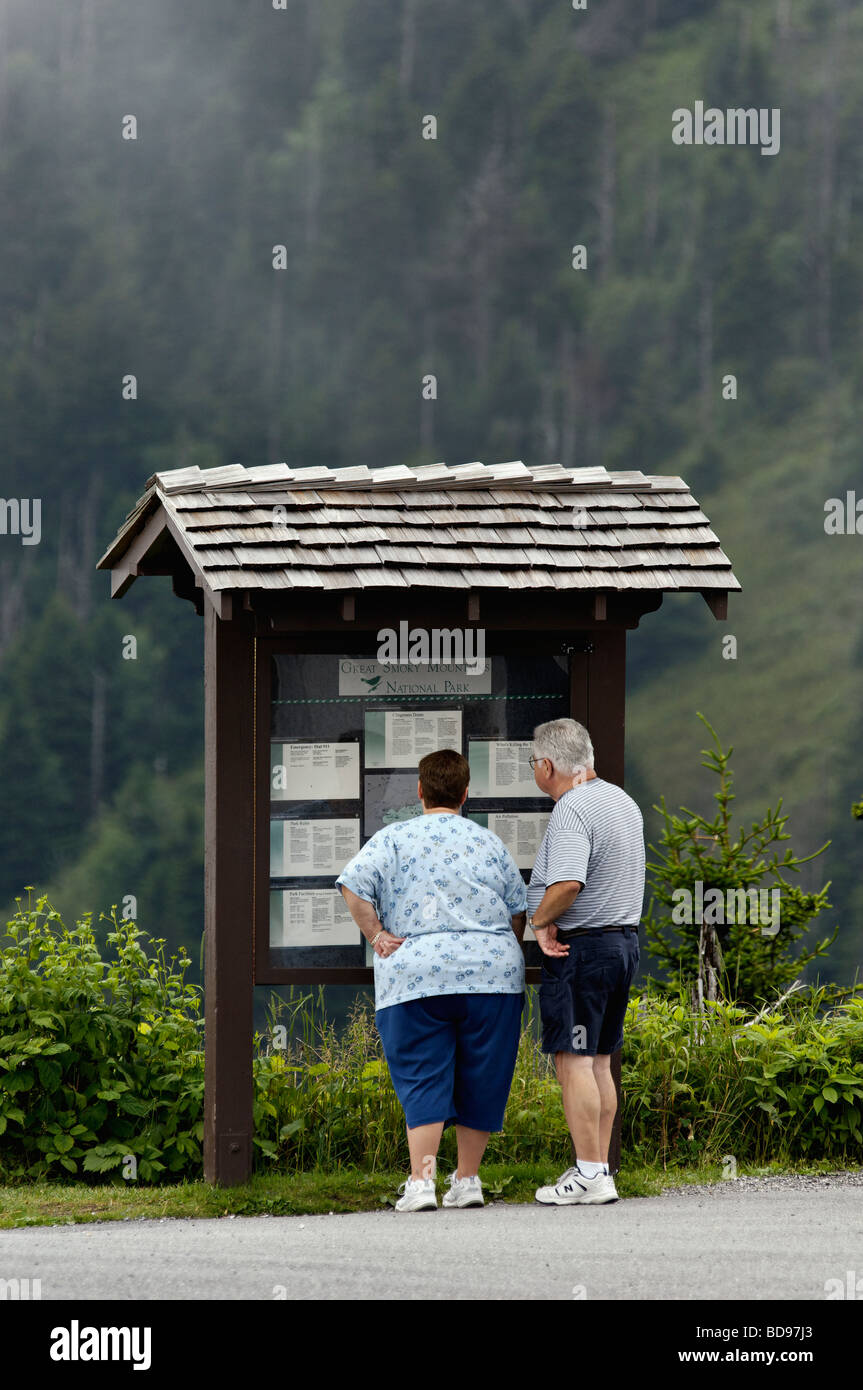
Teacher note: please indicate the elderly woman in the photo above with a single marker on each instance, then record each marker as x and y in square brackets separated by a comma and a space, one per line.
[442, 903]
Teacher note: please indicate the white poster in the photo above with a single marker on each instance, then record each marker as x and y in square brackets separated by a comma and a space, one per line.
[399, 738]
[313, 917]
[315, 771]
[501, 768]
[521, 832]
[306, 848]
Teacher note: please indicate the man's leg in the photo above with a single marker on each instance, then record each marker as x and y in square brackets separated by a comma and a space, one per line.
[608, 1102]
[424, 1142]
[582, 1105]
[471, 1147]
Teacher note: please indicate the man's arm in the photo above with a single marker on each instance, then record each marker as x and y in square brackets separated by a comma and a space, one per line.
[555, 901]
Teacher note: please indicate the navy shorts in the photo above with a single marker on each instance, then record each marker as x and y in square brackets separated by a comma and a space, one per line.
[583, 996]
[451, 1057]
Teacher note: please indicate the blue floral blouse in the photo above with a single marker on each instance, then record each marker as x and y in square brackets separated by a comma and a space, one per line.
[450, 887]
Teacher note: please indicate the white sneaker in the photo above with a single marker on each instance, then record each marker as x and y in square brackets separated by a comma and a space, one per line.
[463, 1192]
[573, 1188]
[419, 1195]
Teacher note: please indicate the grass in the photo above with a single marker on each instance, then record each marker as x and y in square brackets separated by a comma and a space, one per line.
[318, 1193]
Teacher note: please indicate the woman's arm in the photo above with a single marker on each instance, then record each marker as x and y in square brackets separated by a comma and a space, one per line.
[365, 915]
[518, 926]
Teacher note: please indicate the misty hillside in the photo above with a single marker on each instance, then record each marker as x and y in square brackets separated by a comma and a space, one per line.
[406, 256]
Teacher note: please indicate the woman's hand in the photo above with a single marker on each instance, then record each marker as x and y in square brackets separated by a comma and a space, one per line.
[386, 944]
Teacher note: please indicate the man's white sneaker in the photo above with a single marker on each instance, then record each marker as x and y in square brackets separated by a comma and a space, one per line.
[418, 1195]
[573, 1189]
[463, 1192]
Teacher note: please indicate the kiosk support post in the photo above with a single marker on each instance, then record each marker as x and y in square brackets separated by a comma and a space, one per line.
[606, 722]
[228, 898]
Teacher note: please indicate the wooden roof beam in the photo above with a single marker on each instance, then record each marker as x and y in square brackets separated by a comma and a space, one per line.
[126, 570]
[717, 602]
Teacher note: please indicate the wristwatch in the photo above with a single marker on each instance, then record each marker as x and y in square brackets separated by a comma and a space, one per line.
[533, 926]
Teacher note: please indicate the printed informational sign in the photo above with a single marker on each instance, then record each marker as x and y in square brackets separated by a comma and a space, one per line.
[399, 738]
[389, 797]
[312, 848]
[521, 831]
[315, 771]
[501, 768]
[409, 680]
[311, 917]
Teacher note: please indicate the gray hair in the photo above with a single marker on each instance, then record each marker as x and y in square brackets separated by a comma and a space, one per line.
[566, 743]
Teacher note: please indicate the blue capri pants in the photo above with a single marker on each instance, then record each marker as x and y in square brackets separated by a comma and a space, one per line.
[452, 1057]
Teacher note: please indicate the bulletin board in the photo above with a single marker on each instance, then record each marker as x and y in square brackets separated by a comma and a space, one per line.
[345, 736]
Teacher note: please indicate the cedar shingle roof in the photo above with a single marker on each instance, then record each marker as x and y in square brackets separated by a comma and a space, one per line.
[470, 526]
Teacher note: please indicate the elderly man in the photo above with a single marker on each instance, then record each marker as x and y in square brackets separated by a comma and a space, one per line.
[442, 903]
[584, 898]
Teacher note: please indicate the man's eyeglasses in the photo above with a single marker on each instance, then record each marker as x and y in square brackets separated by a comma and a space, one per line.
[533, 761]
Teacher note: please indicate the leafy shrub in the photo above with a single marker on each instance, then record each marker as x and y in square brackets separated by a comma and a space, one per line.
[103, 1059]
[783, 1082]
[98, 1059]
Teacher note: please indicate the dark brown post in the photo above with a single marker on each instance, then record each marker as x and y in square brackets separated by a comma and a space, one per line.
[228, 897]
[579, 687]
[606, 724]
[607, 705]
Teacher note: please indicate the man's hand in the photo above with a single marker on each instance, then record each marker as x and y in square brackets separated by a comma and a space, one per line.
[548, 941]
[387, 944]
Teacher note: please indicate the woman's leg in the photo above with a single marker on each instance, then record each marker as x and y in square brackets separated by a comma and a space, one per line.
[471, 1147]
[488, 1041]
[419, 1046]
[424, 1142]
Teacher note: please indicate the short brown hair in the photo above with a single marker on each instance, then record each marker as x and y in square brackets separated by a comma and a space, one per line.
[444, 777]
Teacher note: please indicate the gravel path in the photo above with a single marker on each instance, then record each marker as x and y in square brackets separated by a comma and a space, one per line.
[791, 1182]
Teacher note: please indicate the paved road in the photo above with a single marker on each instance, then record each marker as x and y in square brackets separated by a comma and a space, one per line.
[753, 1241]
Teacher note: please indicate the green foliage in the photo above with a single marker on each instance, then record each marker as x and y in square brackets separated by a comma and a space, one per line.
[782, 1083]
[695, 849]
[326, 1099]
[103, 1058]
[99, 1059]
[786, 1081]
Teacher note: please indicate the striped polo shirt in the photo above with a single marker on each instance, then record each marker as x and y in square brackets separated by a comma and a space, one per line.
[595, 836]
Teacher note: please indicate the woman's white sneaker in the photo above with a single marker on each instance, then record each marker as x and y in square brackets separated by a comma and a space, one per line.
[419, 1195]
[463, 1192]
[573, 1189]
